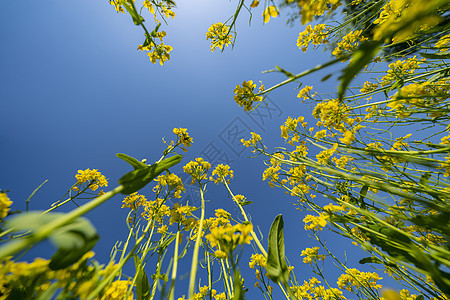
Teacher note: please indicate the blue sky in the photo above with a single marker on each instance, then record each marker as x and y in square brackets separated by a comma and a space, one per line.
[75, 91]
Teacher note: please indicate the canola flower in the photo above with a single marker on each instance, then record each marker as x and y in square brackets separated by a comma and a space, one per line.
[5, 205]
[245, 95]
[220, 36]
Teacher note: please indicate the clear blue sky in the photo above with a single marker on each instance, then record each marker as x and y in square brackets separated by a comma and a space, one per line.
[75, 91]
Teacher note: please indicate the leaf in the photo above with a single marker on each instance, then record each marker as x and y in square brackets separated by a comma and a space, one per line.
[439, 55]
[360, 58]
[73, 241]
[239, 293]
[135, 180]
[363, 194]
[137, 18]
[244, 203]
[30, 221]
[142, 283]
[370, 259]
[276, 266]
[136, 164]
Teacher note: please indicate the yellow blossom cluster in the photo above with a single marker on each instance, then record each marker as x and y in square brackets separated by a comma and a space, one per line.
[316, 35]
[117, 290]
[155, 210]
[270, 11]
[316, 222]
[220, 36]
[253, 141]
[75, 281]
[221, 171]
[309, 9]
[183, 137]
[169, 182]
[245, 95]
[354, 279]
[303, 93]
[333, 114]
[311, 254]
[400, 69]
[444, 43]
[92, 178]
[180, 213]
[324, 156]
[227, 237]
[5, 204]
[257, 260]
[348, 43]
[368, 87]
[405, 18]
[313, 290]
[134, 201]
[197, 169]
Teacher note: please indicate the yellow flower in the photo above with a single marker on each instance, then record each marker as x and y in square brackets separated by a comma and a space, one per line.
[311, 254]
[117, 290]
[257, 259]
[317, 222]
[197, 169]
[161, 53]
[92, 178]
[348, 138]
[270, 11]
[219, 35]
[134, 201]
[252, 142]
[5, 204]
[303, 93]
[222, 171]
[245, 95]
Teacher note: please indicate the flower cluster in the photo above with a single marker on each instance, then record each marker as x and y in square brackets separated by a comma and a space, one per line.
[221, 171]
[270, 11]
[253, 141]
[316, 35]
[5, 204]
[183, 138]
[197, 169]
[311, 254]
[354, 279]
[92, 178]
[169, 183]
[315, 222]
[310, 9]
[226, 238]
[401, 69]
[220, 36]
[134, 201]
[348, 43]
[245, 95]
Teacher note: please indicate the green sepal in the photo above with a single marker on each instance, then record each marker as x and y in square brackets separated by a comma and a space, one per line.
[135, 180]
[276, 266]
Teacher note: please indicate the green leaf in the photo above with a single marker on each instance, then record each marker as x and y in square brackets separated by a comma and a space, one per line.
[142, 283]
[438, 55]
[239, 293]
[360, 58]
[362, 195]
[137, 18]
[73, 241]
[30, 221]
[136, 164]
[370, 259]
[276, 266]
[135, 180]
[244, 203]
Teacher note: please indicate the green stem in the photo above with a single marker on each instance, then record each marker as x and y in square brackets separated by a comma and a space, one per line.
[196, 247]
[175, 265]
